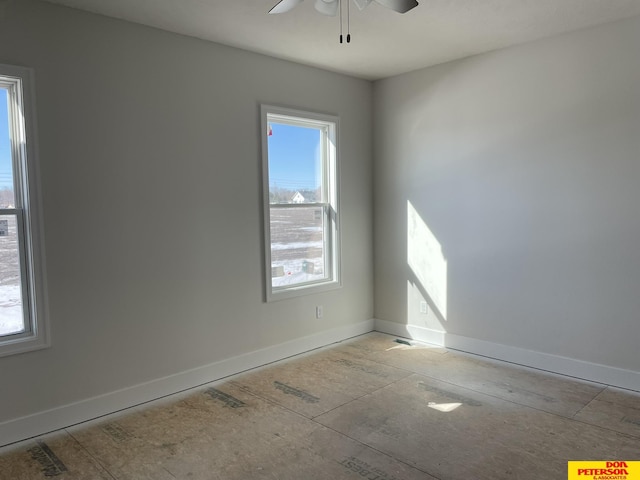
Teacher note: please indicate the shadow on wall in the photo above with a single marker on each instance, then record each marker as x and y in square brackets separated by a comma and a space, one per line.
[427, 276]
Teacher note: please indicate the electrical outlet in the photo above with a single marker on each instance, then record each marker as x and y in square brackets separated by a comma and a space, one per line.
[423, 307]
[319, 311]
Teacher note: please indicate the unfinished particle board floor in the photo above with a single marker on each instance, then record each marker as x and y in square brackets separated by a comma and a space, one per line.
[367, 408]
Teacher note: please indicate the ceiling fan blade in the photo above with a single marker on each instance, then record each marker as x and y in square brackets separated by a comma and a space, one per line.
[362, 4]
[327, 7]
[400, 6]
[284, 6]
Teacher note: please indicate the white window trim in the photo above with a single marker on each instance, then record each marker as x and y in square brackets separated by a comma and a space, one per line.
[20, 82]
[333, 250]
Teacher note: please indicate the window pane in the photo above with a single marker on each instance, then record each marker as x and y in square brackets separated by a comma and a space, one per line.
[11, 314]
[297, 245]
[295, 167]
[23, 325]
[7, 199]
[300, 187]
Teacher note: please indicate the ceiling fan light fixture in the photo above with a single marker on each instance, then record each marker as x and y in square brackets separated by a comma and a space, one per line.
[284, 6]
[362, 4]
[400, 6]
[329, 8]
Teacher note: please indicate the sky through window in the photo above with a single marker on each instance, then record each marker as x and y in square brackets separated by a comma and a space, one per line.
[294, 157]
[6, 176]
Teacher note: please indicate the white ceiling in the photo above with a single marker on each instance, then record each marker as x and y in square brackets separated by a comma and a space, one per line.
[384, 43]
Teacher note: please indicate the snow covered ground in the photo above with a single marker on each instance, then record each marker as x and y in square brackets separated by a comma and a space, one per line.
[295, 272]
[297, 246]
[11, 320]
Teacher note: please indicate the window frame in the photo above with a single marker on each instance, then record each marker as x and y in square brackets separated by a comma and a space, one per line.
[329, 202]
[19, 83]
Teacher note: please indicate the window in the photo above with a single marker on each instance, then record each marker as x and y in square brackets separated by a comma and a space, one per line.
[300, 175]
[22, 298]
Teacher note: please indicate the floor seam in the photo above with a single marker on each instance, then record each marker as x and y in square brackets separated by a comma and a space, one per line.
[399, 460]
[589, 402]
[93, 457]
[458, 385]
[313, 419]
[565, 417]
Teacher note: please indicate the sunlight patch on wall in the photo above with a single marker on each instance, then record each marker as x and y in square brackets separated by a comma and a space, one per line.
[416, 316]
[425, 258]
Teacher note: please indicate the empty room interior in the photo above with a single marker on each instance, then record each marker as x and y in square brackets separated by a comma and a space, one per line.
[236, 245]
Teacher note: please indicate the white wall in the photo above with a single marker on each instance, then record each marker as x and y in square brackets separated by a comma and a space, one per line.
[525, 165]
[150, 159]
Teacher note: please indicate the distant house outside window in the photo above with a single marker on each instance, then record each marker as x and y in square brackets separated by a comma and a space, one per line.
[300, 184]
[23, 323]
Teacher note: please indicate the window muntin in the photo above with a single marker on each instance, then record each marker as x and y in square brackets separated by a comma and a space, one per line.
[301, 198]
[22, 298]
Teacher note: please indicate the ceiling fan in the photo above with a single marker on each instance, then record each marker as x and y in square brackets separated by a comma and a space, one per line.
[330, 7]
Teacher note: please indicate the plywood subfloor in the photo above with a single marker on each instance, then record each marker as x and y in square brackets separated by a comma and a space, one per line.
[367, 408]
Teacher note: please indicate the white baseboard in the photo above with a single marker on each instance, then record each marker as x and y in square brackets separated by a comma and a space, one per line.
[593, 372]
[61, 417]
[421, 334]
